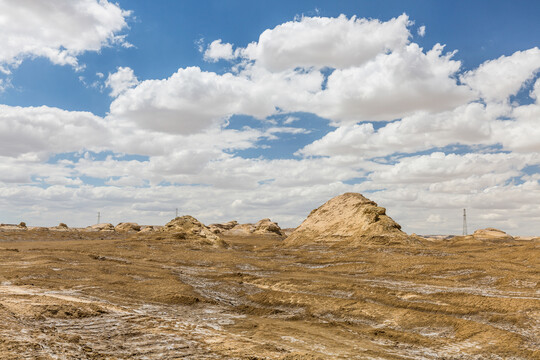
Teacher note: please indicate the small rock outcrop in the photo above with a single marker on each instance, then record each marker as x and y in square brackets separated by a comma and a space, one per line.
[349, 217]
[101, 227]
[261, 227]
[12, 227]
[491, 234]
[187, 227]
[222, 227]
[267, 227]
[147, 229]
[128, 227]
[60, 227]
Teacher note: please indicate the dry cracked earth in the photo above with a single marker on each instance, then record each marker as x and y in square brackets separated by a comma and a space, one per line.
[82, 295]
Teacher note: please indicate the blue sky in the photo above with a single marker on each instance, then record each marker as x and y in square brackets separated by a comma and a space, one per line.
[244, 110]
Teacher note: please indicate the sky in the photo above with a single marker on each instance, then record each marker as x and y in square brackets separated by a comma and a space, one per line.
[243, 110]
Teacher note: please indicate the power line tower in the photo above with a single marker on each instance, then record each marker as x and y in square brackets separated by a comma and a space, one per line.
[176, 212]
[464, 222]
[98, 217]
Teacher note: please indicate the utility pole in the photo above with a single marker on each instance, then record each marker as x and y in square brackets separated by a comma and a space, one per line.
[99, 217]
[464, 222]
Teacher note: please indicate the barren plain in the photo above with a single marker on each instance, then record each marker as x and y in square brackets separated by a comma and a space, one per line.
[77, 294]
[73, 295]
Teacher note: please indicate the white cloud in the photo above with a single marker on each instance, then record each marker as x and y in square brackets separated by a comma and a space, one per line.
[121, 80]
[496, 80]
[535, 92]
[217, 51]
[438, 168]
[271, 132]
[469, 124]
[421, 31]
[44, 130]
[382, 77]
[59, 30]
[131, 181]
[199, 44]
[521, 132]
[435, 218]
[327, 42]
[192, 100]
[189, 101]
[5, 84]
[290, 119]
[392, 86]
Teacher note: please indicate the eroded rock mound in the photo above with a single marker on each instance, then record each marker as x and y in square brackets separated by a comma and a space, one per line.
[12, 227]
[101, 227]
[267, 226]
[261, 227]
[148, 229]
[349, 217]
[128, 227]
[491, 234]
[60, 227]
[222, 227]
[187, 227]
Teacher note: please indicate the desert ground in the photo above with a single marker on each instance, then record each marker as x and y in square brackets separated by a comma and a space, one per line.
[81, 294]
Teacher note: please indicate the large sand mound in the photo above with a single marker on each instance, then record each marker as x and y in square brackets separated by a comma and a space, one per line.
[349, 217]
[491, 234]
[483, 236]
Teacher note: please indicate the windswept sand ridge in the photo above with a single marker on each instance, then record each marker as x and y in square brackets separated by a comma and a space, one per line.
[347, 218]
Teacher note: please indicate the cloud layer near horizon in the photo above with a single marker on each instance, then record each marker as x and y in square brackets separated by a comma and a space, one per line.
[448, 140]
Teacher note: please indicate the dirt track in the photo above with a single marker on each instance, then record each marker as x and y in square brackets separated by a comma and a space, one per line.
[74, 295]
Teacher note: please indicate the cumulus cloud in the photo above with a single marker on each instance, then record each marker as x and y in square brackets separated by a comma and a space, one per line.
[187, 102]
[58, 30]
[439, 168]
[496, 80]
[44, 130]
[327, 42]
[124, 78]
[469, 124]
[192, 100]
[217, 51]
[520, 132]
[392, 86]
[380, 76]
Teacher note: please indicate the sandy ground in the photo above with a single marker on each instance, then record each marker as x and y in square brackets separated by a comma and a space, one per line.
[74, 295]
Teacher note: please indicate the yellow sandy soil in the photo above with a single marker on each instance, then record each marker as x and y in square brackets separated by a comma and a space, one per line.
[81, 295]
